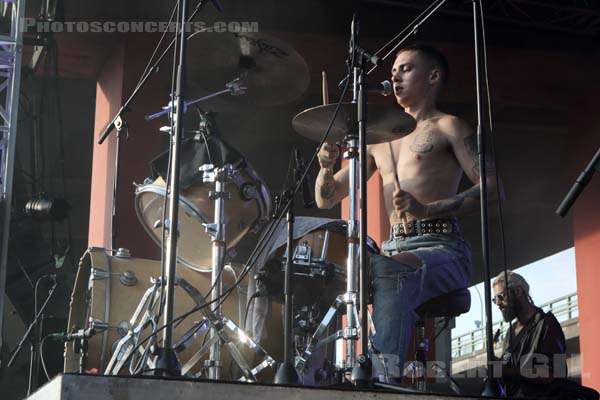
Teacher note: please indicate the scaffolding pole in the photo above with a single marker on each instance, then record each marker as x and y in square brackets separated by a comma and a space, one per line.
[11, 46]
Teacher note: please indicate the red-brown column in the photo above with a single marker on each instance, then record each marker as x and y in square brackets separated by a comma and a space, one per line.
[586, 228]
[140, 142]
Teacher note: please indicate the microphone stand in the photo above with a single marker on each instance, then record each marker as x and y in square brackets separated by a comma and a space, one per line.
[33, 327]
[580, 183]
[167, 363]
[119, 126]
[492, 386]
[361, 375]
[286, 372]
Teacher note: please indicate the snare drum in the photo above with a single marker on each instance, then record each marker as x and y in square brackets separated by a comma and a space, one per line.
[107, 292]
[247, 208]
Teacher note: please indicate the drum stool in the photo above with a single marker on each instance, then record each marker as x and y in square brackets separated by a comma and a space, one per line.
[446, 306]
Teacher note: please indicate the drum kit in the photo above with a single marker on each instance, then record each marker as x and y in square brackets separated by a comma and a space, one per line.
[118, 301]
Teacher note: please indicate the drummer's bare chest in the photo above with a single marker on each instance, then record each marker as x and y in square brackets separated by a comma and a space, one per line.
[425, 148]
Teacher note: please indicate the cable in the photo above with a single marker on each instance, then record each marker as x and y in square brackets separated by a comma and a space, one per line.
[35, 291]
[254, 296]
[429, 11]
[150, 61]
[42, 357]
[203, 134]
[61, 146]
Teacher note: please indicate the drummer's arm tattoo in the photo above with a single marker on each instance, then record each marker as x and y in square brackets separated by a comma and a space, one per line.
[468, 201]
[454, 206]
[326, 186]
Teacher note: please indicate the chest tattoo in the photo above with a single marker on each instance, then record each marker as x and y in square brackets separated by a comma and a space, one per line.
[423, 142]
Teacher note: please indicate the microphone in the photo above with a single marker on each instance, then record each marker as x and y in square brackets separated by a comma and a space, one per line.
[69, 337]
[496, 336]
[384, 88]
[307, 197]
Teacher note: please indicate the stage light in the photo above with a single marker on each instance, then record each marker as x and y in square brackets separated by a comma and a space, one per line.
[45, 208]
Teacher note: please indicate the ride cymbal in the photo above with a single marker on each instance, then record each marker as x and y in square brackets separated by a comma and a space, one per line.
[384, 124]
[272, 70]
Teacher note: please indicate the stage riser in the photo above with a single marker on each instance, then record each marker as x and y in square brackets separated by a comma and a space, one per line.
[76, 387]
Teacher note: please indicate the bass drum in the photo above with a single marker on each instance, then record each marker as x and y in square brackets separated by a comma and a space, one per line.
[107, 292]
[247, 208]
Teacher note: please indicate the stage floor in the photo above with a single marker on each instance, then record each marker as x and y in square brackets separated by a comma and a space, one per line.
[91, 387]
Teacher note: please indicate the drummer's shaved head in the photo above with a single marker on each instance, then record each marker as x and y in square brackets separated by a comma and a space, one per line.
[432, 56]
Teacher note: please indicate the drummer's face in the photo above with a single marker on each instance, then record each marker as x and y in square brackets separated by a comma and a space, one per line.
[410, 77]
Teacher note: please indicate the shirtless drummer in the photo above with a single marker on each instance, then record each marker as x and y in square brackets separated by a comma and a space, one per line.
[417, 265]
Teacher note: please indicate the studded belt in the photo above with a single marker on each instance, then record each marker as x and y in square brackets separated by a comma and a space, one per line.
[422, 227]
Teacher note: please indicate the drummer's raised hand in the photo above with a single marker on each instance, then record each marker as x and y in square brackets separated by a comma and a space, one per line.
[405, 202]
[328, 155]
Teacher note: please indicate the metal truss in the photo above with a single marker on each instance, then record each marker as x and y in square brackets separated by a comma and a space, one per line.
[580, 17]
[11, 46]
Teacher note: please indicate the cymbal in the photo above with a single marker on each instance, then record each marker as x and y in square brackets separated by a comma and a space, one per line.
[384, 124]
[272, 70]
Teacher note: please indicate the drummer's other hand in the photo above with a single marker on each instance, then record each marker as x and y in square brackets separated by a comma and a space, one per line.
[405, 202]
[328, 155]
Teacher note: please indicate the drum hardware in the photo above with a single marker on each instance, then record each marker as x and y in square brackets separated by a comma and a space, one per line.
[145, 76]
[249, 204]
[349, 299]
[385, 125]
[126, 278]
[166, 358]
[123, 253]
[305, 320]
[305, 264]
[218, 337]
[220, 177]
[236, 87]
[286, 372]
[128, 342]
[249, 374]
[88, 310]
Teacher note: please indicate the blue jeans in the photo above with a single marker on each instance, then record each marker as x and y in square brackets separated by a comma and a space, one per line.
[398, 289]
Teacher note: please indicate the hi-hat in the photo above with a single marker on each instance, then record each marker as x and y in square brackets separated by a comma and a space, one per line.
[384, 124]
[272, 70]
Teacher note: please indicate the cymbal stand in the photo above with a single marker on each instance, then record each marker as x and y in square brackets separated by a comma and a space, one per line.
[218, 176]
[348, 301]
[355, 268]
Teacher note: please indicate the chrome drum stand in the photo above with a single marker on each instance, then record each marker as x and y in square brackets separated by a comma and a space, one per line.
[348, 301]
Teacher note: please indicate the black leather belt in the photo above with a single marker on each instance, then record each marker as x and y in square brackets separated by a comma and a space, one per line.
[422, 227]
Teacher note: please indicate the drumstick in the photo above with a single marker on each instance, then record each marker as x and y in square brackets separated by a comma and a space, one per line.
[325, 89]
[397, 184]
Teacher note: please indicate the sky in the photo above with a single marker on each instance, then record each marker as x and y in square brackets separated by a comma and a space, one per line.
[549, 278]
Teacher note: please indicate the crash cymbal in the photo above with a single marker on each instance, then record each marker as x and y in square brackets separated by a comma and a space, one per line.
[384, 124]
[273, 71]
